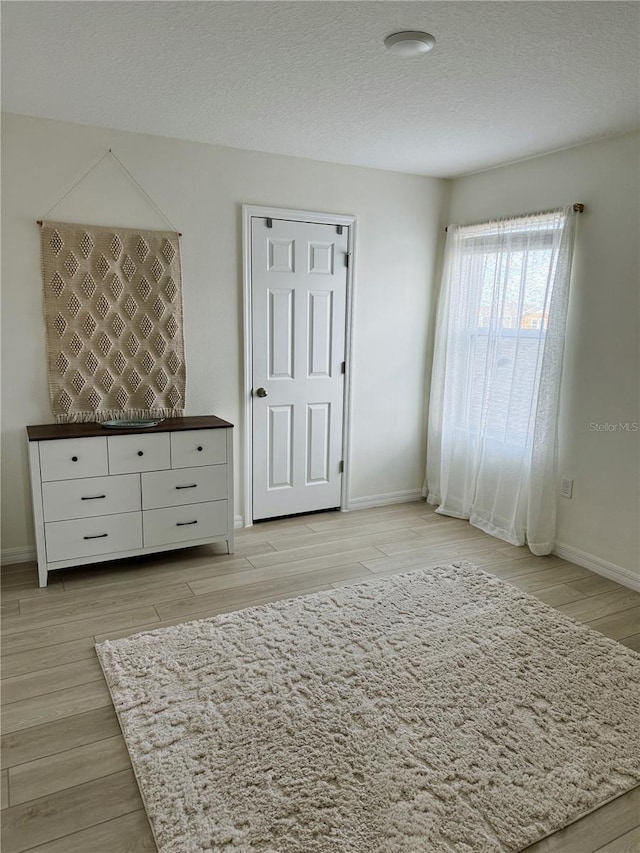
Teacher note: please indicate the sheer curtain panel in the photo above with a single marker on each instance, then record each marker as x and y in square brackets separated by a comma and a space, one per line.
[491, 449]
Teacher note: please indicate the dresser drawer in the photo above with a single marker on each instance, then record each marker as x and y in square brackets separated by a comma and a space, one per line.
[71, 458]
[91, 496]
[180, 524]
[198, 447]
[87, 537]
[129, 454]
[174, 488]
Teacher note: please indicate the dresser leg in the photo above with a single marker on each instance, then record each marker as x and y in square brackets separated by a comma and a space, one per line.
[42, 575]
[230, 545]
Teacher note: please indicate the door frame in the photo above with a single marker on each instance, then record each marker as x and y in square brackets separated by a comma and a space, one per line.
[250, 211]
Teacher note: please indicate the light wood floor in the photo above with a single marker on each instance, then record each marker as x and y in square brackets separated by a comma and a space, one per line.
[67, 783]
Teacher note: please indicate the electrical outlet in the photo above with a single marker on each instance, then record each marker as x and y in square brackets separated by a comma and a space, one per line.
[566, 487]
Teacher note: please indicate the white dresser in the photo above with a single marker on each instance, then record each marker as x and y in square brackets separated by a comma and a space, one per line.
[102, 494]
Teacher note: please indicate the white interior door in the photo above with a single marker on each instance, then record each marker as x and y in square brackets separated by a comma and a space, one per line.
[298, 304]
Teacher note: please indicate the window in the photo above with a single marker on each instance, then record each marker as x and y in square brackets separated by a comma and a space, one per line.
[506, 296]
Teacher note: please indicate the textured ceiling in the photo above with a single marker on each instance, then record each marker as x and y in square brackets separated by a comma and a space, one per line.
[506, 80]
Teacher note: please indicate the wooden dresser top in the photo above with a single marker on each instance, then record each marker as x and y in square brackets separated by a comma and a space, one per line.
[47, 432]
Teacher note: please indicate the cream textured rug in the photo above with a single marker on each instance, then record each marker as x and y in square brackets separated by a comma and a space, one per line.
[113, 314]
[441, 711]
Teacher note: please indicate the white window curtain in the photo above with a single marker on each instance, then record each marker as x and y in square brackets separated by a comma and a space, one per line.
[491, 448]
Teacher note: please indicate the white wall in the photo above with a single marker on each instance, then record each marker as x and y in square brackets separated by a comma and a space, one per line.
[201, 189]
[600, 380]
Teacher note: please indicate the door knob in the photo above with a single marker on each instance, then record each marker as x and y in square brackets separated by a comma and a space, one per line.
[261, 392]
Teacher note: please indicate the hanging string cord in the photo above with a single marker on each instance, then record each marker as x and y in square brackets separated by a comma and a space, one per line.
[131, 178]
[79, 181]
[144, 192]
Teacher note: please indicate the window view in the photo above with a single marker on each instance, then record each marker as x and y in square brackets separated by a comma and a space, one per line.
[508, 309]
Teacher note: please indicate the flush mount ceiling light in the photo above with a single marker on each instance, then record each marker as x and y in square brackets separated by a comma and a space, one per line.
[410, 43]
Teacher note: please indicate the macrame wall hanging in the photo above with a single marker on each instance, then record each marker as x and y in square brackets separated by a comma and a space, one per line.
[113, 314]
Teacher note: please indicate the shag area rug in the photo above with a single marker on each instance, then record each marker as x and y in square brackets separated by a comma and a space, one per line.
[441, 711]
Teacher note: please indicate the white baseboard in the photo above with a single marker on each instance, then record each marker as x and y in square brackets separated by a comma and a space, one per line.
[238, 521]
[598, 565]
[382, 500]
[24, 554]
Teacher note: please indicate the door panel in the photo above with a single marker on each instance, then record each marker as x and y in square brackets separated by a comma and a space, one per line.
[298, 292]
[320, 333]
[280, 333]
[279, 460]
[318, 444]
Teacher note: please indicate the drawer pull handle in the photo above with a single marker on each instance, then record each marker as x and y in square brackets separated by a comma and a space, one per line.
[184, 523]
[74, 458]
[93, 498]
[98, 536]
[200, 449]
[192, 486]
[140, 453]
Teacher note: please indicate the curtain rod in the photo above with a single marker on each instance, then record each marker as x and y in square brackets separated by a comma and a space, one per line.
[578, 207]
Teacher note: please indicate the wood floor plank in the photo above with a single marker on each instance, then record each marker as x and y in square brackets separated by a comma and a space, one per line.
[264, 534]
[29, 586]
[439, 537]
[268, 574]
[531, 565]
[9, 608]
[338, 535]
[66, 769]
[323, 549]
[554, 596]
[34, 639]
[12, 568]
[44, 657]
[486, 557]
[432, 555]
[249, 549]
[68, 732]
[72, 599]
[4, 789]
[597, 606]
[424, 557]
[130, 833]
[18, 572]
[285, 586]
[627, 843]
[366, 526]
[54, 706]
[152, 568]
[38, 614]
[211, 610]
[632, 642]
[618, 624]
[49, 680]
[303, 562]
[372, 513]
[596, 829]
[595, 585]
[443, 522]
[549, 574]
[56, 815]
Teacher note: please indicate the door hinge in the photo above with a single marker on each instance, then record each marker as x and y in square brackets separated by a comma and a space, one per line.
[346, 258]
[340, 467]
[269, 222]
[343, 367]
[339, 229]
